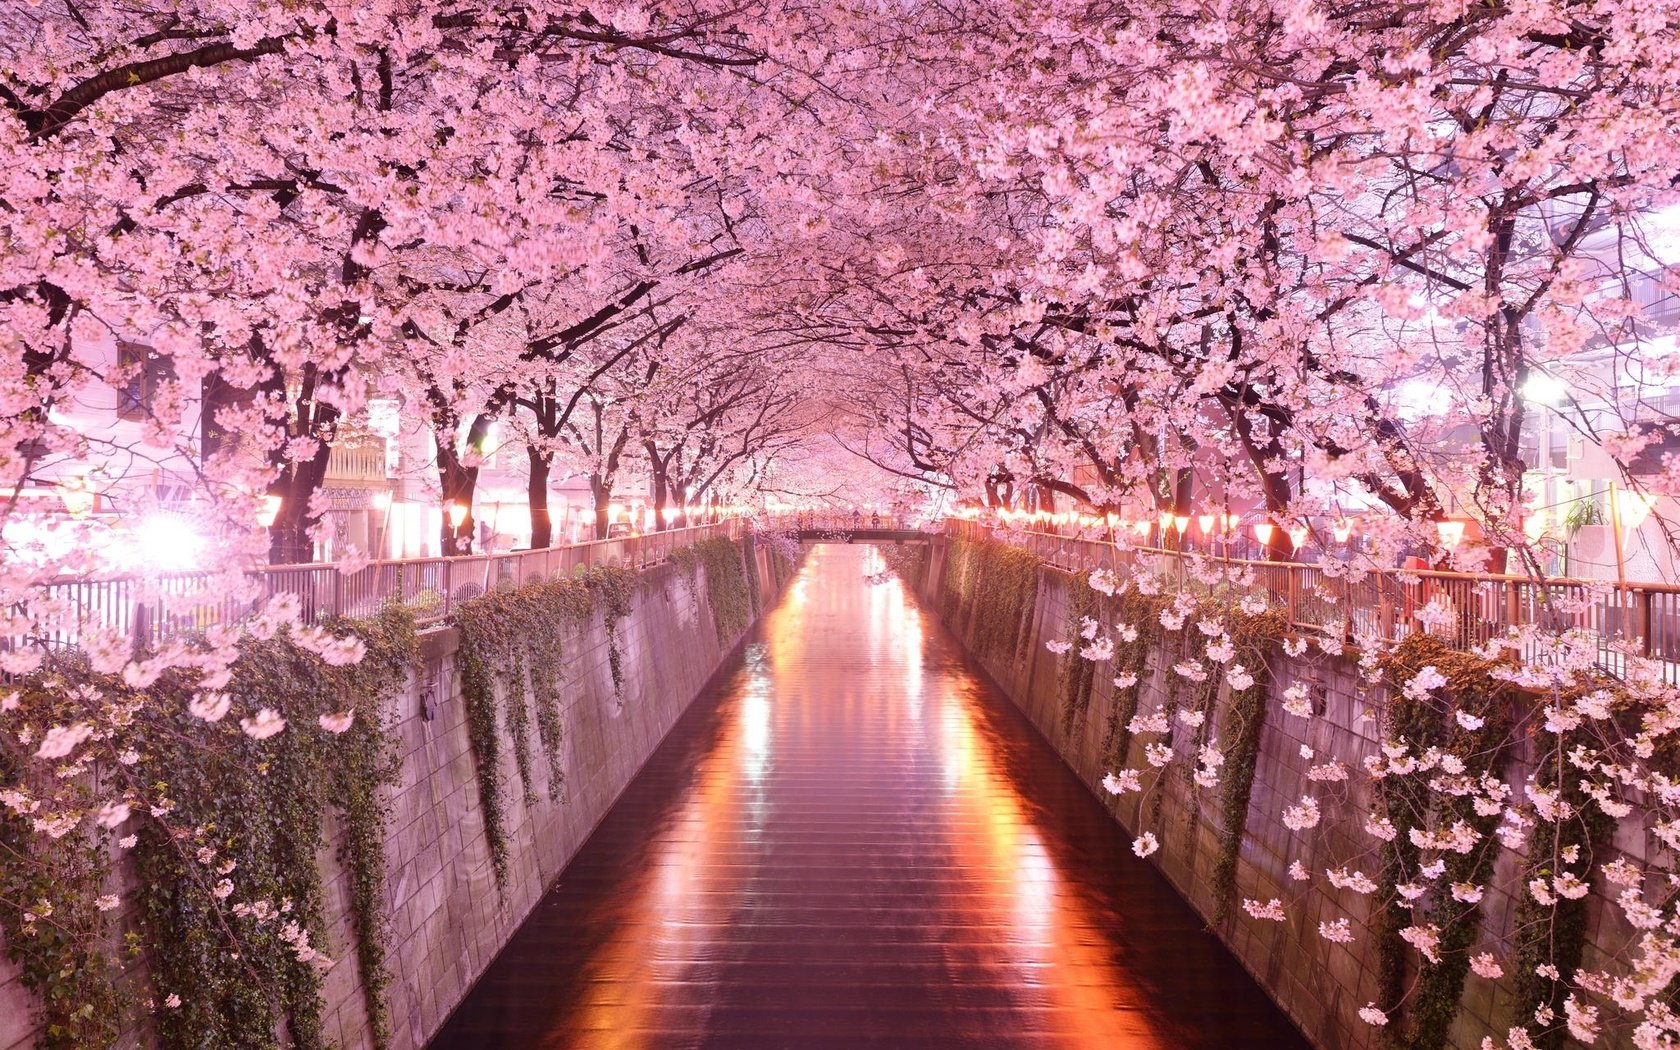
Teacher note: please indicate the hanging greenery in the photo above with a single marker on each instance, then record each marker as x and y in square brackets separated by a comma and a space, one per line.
[513, 659]
[512, 656]
[225, 821]
[957, 584]
[1253, 635]
[755, 586]
[1425, 719]
[51, 914]
[729, 586]
[610, 589]
[1556, 933]
[1079, 676]
[1131, 663]
[988, 593]
[907, 561]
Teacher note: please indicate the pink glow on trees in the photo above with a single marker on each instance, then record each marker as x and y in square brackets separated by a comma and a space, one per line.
[1267, 256]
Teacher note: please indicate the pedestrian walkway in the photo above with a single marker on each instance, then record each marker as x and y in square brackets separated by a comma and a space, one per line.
[850, 841]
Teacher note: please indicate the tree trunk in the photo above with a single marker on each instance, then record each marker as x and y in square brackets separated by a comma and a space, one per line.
[458, 482]
[661, 496]
[536, 493]
[288, 536]
[601, 489]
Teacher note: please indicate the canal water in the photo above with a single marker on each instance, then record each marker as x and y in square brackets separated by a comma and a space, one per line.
[851, 840]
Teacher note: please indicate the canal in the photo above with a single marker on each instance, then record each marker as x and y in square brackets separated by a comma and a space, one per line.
[852, 840]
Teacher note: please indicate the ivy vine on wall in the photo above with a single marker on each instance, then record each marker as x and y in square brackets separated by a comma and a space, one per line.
[225, 828]
[990, 588]
[1253, 635]
[512, 656]
[1556, 933]
[1131, 662]
[1423, 720]
[1079, 676]
[729, 586]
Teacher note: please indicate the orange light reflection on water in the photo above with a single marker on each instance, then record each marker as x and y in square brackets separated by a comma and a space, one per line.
[1041, 947]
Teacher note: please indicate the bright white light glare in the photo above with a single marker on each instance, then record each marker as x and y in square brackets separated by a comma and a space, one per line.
[164, 543]
[1417, 398]
[1543, 389]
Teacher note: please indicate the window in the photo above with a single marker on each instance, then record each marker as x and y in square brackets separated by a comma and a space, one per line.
[1557, 447]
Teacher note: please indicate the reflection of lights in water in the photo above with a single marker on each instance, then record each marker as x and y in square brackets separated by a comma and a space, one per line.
[1035, 888]
[895, 626]
[1016, 883]
[755, 725]
[1040, 940]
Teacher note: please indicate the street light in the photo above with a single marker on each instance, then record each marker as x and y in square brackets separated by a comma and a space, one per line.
[458, 511]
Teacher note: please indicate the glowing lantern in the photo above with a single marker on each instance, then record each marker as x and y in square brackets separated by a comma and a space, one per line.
[1263, 532]
[1451, 533]
[1342, 530]
[1206, 521]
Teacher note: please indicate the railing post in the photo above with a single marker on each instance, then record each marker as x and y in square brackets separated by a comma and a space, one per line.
[1513, 603]
[1645, 621]
[142, 626]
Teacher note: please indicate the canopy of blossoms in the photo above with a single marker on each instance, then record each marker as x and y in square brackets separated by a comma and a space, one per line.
[1289, 258]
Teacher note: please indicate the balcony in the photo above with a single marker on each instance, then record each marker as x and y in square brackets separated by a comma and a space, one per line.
[359, 464]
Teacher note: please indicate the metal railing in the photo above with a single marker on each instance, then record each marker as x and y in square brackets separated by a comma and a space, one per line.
[359, 463]
[150, 609]
[1643, 618]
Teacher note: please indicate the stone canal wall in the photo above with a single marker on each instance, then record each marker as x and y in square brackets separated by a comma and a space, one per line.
[448, 919]
[1320, 984]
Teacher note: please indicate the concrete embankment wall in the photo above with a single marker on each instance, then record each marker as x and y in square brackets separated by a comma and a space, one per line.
[448, 919]
[1320, 984]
